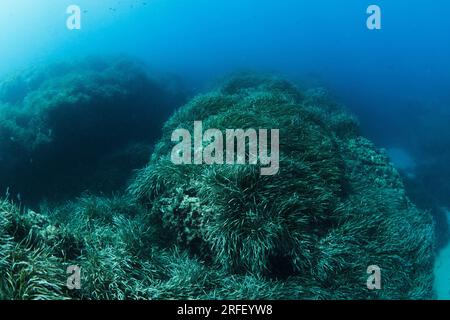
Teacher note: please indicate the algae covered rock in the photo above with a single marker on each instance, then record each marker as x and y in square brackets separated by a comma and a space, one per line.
[335, 207]
[64, 127]
[225, 231]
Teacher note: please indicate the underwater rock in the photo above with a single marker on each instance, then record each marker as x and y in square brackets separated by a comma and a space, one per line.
[63, 125]
[336, 206]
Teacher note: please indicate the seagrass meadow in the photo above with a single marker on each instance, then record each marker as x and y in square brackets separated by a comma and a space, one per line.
[169, 231]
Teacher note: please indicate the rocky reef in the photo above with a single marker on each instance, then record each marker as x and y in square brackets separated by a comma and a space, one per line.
[66, 127]
[335, 207]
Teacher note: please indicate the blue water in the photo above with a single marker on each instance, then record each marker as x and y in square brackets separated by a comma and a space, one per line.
[388, 75]
[396, 80]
